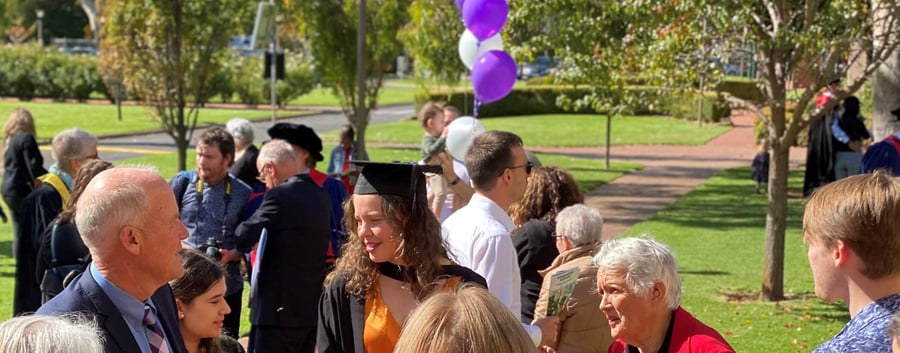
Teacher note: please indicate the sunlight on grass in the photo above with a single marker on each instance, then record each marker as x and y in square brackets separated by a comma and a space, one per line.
[100, 119]
[565, 130]
[717, 232]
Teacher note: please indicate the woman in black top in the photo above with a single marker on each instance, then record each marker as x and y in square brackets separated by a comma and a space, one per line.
[22, 161]
[848, 155]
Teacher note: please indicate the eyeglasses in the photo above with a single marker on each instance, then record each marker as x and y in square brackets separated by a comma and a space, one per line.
[528, 167]
[261, 177]
[557, 235]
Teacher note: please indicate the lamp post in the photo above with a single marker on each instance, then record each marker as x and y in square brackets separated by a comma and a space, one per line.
[40, 17]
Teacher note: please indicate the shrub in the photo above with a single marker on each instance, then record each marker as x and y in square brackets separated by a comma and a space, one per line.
[28, 71]
[743, 89]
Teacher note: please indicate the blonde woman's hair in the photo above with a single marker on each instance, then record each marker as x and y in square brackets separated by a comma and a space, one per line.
[20, 121]
[468, 320]
[50, 334]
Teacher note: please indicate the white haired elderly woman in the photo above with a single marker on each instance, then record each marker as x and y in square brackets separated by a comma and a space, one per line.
[245, 153]
[49, 334]
[577, 237]
[637, 279]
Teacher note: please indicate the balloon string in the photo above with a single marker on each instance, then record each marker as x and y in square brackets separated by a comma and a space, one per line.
[475, 108]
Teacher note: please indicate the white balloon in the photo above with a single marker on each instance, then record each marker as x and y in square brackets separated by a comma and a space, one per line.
[470, 49]
[460, 135]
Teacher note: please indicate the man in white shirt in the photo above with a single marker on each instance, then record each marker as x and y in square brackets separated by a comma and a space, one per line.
[478, 235]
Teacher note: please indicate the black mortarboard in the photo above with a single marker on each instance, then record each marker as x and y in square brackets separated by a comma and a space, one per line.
[300, 135]
[401, 179]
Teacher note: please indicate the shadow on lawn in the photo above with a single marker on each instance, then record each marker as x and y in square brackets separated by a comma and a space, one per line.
[704, 273]
[729, 202]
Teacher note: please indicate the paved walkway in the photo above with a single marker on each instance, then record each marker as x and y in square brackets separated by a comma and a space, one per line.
[669, 172]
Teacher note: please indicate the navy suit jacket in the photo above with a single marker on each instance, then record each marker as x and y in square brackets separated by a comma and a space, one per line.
[296, 215]
[84, 295]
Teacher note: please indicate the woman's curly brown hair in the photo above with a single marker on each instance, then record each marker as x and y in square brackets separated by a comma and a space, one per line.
[550, 189]
[421, 248]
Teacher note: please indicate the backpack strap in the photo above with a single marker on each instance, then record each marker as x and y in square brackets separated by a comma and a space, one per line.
[179, 187]
[57, 183]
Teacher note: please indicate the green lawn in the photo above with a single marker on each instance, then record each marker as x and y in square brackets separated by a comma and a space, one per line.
[717, 232]
[323, 96]
[569, 130]
[102, 119]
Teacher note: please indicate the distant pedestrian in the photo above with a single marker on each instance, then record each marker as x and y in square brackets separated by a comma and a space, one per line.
[886, 153]
[245, 153]
[760, 173]
[22, 161]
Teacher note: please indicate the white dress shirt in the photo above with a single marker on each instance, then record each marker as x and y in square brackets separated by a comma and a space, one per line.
[478, 237]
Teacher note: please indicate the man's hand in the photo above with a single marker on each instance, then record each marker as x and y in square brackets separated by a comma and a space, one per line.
[229, 256]
[855, 145]
[549, 328]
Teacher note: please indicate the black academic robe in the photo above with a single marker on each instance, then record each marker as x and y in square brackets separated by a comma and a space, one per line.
[341, 315]
[39, 208]
[819, 155]
[536, 250]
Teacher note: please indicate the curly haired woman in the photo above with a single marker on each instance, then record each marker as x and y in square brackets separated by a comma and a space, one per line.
[393, 260]
[550, 189]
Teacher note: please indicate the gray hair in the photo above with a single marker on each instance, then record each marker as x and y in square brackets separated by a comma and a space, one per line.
[276, 151]
[50, 334]
[101, 213]
[581, 224]
[70, 145]
[645, 262]
[241, 129]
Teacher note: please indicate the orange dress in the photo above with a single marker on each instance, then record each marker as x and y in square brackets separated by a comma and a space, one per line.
[382, 331]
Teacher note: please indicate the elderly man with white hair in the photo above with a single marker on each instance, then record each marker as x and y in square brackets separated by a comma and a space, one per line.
[637, 280]
[578, 235]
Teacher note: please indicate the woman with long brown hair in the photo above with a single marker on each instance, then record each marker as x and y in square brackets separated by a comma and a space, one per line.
[549, 190]
[200, 298]
[393, 260]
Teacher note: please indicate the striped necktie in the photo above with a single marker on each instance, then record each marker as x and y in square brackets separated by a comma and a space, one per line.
[155, 333]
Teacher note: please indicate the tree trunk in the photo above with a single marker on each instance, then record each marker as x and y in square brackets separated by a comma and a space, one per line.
[776, 221]
[608, 136]
[885, 96]
[182, 144]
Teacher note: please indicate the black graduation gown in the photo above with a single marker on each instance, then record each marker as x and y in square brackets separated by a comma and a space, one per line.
[341, 315]
[819, 155]
[39, 208]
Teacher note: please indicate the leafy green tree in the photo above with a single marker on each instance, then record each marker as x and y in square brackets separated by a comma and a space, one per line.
[791, 37]
[655, 39]
[166, 52]
[330, 29]
[431, 38]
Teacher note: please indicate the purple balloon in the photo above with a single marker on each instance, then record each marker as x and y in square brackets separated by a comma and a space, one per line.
[484, 18]
[459, 4]
[493, 75]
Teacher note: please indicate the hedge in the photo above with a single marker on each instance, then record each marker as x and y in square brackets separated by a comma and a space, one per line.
[28, 71]
[544, 100]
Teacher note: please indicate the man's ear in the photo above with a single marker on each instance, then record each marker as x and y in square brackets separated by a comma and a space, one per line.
[658, 293]
[841, 253]
[131, 239]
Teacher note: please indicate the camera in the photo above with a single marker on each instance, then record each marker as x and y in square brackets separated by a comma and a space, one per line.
[211, 248]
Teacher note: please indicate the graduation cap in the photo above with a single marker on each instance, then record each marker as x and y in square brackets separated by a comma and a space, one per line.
[400, 179]
[300, 135]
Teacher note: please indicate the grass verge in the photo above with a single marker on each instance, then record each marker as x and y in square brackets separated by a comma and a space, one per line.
[565, 130]
[102, 119]
[718, 233]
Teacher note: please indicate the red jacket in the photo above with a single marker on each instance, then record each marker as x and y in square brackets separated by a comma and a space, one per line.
[688, 336]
